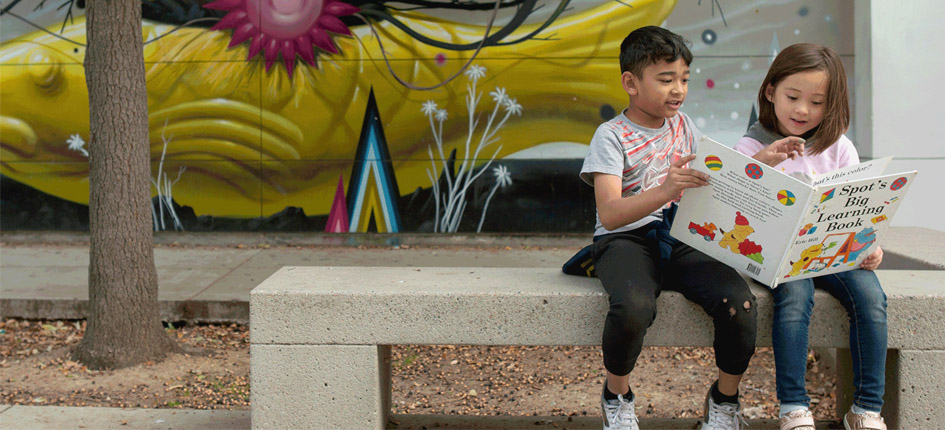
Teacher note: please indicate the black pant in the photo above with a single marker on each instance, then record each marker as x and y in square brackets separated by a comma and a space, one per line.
[632, 272]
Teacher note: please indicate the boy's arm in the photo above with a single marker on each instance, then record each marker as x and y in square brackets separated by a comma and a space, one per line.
[616, 211]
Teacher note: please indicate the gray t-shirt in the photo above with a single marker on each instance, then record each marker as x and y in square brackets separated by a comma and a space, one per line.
[640, 156]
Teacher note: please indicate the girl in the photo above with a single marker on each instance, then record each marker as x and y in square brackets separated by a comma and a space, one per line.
[803, 114]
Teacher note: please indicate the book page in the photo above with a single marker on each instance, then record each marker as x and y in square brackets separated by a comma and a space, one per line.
[747, 214]
[863, 170]
[844, 224]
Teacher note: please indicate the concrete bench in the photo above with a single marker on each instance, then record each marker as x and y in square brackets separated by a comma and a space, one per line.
[321, 336]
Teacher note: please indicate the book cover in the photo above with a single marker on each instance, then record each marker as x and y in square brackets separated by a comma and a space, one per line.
[769, 225]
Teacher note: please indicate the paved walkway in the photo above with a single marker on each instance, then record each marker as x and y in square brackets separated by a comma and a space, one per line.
[208, 277]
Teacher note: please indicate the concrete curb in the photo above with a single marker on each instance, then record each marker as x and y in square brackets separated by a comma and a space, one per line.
[204, 311]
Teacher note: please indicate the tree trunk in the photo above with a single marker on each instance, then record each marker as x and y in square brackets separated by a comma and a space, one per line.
[124, 327]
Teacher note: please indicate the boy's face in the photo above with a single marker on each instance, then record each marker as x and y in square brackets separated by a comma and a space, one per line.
[658, 94]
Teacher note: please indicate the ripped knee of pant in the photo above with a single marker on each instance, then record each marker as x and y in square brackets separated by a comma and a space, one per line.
[731, 310]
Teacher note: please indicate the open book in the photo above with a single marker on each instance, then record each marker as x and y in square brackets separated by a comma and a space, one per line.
[775, 227]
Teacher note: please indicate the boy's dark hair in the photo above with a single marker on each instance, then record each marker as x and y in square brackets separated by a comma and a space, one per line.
[651, 45]
[805, 57]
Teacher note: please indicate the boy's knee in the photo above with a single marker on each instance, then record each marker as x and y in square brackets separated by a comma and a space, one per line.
[632, 317]
[740, 311]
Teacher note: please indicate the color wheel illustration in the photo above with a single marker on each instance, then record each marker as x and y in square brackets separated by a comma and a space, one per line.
[786, 198]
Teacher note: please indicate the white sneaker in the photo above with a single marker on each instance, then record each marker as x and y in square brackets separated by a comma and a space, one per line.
[864, 421]
[801, 419]
[722, 416]
[618, 414]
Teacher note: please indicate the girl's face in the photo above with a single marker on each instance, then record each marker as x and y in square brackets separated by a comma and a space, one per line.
[799, 101]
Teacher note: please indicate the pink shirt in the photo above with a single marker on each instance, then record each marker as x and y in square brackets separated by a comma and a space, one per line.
[840, 154]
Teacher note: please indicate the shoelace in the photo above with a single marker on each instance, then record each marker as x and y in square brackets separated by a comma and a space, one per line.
[725, 417]
[625, 416]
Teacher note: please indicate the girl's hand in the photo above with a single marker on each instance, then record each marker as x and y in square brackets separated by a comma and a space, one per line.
[680, 178]
[872, 262]
[780, 150]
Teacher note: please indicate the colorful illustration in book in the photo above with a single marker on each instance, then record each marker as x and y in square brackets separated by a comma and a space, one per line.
[786, 198]
[898, 183]
[849, 246]
[754, 171]
[706, 230]
[891, 200]
[807, 229]
[861, 242]
[714, 163]
[736, 239]
[807, 256]
[879, 219]
[827, 195]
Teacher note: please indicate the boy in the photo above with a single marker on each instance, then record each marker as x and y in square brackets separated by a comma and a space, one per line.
[636, 164]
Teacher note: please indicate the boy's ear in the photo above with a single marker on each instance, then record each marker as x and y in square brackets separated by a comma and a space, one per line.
[769, 93]
[630, 83]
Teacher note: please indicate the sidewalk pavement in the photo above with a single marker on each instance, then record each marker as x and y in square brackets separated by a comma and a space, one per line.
[208, 277]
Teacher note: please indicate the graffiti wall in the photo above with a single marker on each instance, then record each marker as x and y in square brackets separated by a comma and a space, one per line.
[370, 115]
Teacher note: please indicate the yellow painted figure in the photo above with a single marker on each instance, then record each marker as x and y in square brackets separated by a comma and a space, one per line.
[247, 135]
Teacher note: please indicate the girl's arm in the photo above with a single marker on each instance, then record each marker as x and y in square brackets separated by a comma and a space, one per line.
[616, 211]
[780, 150]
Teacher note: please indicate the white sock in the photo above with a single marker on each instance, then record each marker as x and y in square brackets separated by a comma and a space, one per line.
[859, 411]
[786, 409]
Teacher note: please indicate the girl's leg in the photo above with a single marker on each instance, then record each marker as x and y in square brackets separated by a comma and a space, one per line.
[793, 303]
[861, 294]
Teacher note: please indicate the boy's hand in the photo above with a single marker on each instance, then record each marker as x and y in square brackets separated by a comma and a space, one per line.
[872, 262]
[780, 150]
[679, 178]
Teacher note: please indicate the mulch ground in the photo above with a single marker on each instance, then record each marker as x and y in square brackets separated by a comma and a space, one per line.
[36, 369]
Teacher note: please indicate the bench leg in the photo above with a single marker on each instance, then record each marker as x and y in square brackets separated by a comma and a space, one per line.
[915, 388]
[320, 386]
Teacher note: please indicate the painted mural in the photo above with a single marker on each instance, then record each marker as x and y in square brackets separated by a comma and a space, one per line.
[369, 115]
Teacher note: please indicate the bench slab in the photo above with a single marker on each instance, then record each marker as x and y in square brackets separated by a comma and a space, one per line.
[533, 306]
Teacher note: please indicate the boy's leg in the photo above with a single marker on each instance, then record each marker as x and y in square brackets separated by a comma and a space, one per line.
[793, 304]
[627, 268]
[725, 296]
[861, 294]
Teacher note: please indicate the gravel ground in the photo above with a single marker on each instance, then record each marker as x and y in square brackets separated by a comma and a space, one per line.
[35, 369]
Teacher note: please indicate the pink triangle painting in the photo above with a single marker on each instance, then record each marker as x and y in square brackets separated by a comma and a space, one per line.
[338, 217]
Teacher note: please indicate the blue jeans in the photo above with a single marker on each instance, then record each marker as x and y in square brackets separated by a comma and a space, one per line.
[862, 296]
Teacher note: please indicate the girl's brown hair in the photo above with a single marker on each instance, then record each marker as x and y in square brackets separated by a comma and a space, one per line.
[804, 57]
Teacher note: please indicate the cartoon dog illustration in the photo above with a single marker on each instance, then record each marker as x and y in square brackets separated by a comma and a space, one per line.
[732, 238]
[806, 256]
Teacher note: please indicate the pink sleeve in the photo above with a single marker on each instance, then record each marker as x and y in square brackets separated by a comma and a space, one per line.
[748, 146]
[847, 155]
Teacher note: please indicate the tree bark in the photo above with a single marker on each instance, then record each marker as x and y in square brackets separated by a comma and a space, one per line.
[124, 326]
